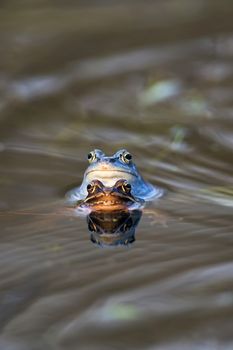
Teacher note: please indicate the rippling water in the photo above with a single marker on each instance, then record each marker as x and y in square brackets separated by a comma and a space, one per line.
[74, 77]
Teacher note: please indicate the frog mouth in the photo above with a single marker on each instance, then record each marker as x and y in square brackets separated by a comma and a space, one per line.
[110, 205]
[109, 200]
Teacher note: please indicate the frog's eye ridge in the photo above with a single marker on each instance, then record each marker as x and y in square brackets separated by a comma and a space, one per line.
[126, 157]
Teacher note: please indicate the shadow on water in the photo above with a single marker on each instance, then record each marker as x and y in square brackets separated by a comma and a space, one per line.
[155, 78]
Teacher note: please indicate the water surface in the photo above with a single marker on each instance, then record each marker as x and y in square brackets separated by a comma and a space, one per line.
[74, 77]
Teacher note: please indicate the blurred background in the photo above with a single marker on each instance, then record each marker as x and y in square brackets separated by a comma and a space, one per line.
[155, 77]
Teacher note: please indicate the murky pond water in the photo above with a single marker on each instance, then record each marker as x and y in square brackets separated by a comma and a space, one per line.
[155, 78]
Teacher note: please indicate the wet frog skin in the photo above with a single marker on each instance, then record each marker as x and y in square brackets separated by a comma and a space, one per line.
[115, 198]
[110, 169]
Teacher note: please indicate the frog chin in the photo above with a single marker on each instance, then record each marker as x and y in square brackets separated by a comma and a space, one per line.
[109, 178]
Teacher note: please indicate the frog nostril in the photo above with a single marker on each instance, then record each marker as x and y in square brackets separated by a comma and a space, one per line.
[106, 165]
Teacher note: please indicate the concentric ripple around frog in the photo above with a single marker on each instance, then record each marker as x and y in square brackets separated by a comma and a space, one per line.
[109, 170]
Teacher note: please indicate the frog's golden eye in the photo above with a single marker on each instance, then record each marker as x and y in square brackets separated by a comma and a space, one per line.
[126, 188]
[91, 157]
[126, 157]
[123, 186]
[91, 188]
[94, 186]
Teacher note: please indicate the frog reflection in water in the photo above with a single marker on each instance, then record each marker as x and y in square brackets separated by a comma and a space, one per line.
[109, 170]
[116, 228]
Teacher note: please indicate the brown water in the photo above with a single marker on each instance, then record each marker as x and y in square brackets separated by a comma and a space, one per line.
[154, 77]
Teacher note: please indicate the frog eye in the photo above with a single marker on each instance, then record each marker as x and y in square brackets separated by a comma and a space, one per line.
[91, 157]
[123, 185]
[95, 155]
[91, 188]
[126, 188]
[94, 186]
[126, 157]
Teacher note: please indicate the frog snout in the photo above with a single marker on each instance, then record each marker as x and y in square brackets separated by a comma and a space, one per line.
[105, 166]
[107, 192]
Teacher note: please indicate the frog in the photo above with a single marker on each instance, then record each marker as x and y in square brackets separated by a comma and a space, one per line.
[104, 198]
[110, 169]
[111, 185]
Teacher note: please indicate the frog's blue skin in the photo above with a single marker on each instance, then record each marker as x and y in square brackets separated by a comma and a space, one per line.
[110, 169]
